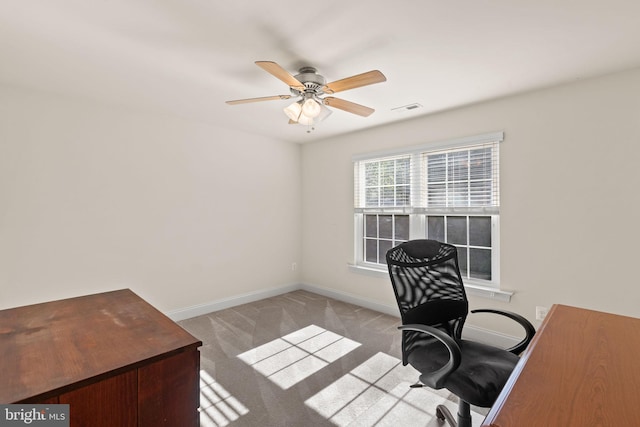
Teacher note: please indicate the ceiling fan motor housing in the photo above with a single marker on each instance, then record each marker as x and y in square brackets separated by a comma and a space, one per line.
[312, 81]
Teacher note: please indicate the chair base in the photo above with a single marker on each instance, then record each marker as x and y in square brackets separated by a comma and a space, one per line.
[464, 415]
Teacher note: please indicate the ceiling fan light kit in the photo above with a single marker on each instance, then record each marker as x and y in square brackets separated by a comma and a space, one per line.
[307, 113]
[309, 86]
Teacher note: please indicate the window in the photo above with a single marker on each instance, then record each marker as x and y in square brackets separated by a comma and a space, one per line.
[447, 191]
[381, 233]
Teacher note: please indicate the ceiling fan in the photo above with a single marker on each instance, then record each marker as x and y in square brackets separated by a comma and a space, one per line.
[311, 88]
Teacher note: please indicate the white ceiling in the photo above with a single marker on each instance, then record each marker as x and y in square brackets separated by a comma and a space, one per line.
[186, 57]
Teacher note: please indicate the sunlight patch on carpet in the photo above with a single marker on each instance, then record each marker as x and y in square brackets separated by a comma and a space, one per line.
[218, 408]
[376, 393]
[290, 359]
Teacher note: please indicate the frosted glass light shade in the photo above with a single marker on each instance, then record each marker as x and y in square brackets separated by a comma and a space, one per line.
[304, 120]
[293, 111]
[311, 108]
[324, 113]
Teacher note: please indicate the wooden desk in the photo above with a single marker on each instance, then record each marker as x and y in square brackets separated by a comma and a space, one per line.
[115, 359]
[581, 369]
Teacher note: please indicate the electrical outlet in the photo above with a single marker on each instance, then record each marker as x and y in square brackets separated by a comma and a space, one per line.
[541, 312]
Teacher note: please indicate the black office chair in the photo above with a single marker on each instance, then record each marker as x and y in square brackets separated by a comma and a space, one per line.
[433, 307]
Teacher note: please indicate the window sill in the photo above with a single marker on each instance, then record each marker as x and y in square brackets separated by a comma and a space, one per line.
[472, 288]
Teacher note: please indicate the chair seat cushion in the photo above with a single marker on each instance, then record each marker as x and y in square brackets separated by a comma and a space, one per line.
[482, 373]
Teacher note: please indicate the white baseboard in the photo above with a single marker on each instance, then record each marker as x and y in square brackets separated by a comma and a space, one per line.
[489, 337]
[470, 332]
[474, 333]
[352, 299]
[210, 307]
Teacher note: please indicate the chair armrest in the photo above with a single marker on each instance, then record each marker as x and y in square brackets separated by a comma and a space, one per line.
[436, 378]
[528, 328]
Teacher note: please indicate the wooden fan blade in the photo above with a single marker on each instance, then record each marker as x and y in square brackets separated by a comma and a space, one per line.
[280, 73]
[348, 106]
[352, 82]
[264, 98]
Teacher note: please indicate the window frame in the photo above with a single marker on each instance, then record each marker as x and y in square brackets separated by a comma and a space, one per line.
[418, 213]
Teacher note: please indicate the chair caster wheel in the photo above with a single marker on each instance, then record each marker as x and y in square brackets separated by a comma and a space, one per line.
[443, 414]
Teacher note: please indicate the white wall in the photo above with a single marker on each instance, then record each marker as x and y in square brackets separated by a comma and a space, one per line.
[93, 198]
[570, 209]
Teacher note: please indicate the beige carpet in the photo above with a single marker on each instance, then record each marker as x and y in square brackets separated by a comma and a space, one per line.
[301, 359]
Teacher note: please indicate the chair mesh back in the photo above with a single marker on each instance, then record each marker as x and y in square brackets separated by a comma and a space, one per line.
[428, 288]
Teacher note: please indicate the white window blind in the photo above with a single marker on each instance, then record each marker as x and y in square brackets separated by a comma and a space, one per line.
[427, 180]
[462, 180]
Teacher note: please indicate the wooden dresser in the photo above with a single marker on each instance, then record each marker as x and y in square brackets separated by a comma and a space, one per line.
[115, 359]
